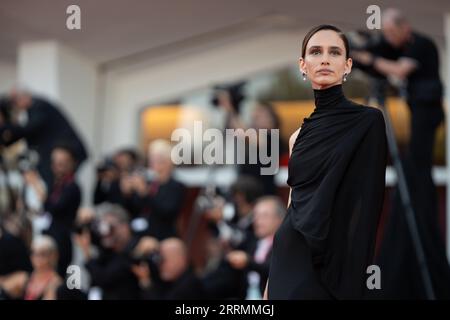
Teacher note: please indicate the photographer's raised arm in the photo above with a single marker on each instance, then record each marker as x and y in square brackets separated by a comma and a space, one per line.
[400, 68]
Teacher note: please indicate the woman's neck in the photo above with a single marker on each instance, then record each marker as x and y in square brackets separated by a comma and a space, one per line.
[324, 86]
[43, 273]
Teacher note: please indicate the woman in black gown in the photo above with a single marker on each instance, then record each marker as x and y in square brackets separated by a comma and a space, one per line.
[337, 179]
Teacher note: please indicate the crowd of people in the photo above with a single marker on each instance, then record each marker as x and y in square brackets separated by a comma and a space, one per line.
[128, 243]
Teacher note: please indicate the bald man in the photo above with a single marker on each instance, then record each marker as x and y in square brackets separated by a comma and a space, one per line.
[171, 279]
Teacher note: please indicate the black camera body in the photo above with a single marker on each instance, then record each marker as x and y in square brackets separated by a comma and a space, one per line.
[6, 109]
[148, 174]
[28, 161]
[81, 228]
[235, 92]
[105, 165]
[153, 258]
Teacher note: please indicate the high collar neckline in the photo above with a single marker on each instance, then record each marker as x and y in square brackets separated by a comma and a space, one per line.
[329, 97]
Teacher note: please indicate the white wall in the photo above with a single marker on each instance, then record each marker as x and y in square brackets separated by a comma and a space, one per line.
[67, 78]
[78, 93]
[37, 68]
[8, 76]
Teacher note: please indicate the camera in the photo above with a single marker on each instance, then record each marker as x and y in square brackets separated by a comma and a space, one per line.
[6, 108]
[84, 227]
[153, 258]
[95, 228]
[28, 161]
[362, 40]
[235, 92]
[148, 174]
[105, 165]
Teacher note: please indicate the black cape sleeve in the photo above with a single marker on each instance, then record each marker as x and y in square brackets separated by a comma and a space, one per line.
[338, 191]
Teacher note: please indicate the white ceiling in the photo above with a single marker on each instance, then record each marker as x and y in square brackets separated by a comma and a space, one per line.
[113, 29]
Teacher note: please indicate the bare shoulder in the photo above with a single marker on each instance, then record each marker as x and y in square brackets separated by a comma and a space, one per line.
[293, 138]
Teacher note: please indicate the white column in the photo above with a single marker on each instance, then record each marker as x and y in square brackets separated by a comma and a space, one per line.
[7, 76]
[68, 79]
[447, 137]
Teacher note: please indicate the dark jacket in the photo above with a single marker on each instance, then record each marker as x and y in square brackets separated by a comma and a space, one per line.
[62, 203]
[111, 271]
[161, 208]
[186, 287]
[46, 127]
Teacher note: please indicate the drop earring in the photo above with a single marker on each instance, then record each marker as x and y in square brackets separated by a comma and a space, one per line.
[345, 77]
[304, 76]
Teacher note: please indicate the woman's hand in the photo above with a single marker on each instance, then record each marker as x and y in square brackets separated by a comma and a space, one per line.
[146, 246]
[34, 180]
[85, 215]
[50, 291]
[126, 185]
[238, 259]
[14, 284]
[215, 214]
[84, 242]
[140, 185]
[363, 57]
[142, 272]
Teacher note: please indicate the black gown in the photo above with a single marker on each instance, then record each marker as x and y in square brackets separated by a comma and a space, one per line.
[337, 177]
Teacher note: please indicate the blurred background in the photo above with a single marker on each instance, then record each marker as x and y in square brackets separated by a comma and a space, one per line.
[87, 117]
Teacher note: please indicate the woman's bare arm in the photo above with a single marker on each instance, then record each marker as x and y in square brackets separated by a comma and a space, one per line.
[291, 146]
[265, 290]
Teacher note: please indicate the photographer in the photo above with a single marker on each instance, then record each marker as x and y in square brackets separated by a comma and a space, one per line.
[15, 243]
[173, 277]
[237, 233]
[109, 173]
[263, 117]
[252, 266]
[229, 98]
[154, 194]
[44, 126]
[43, 281]
[61, 205]
[111, 269]
[21, 187]
[417, 65]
